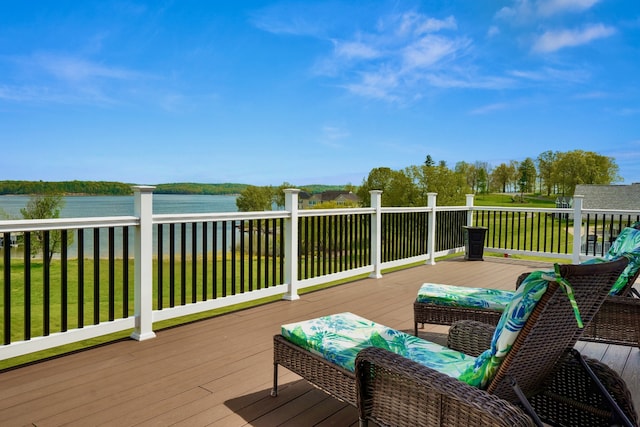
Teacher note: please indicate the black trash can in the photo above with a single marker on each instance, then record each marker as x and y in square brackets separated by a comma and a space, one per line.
[474, 243]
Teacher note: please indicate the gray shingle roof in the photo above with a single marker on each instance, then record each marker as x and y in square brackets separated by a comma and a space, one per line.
[610, 196]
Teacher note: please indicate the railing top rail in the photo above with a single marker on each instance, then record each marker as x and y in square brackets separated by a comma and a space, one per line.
[25, 225]
[394, 209]
[611, 211]
[217, 216]
[335, 212]
[508, 209]
[452, 208]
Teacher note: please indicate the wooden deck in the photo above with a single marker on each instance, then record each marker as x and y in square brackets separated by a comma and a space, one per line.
[218, 372]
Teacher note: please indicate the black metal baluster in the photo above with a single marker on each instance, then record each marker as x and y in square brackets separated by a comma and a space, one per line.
[64, 281]
[250, 254]
[46, 305]
[183, 263]
[194, 262]
[112, 278]
[96, 276]
[266, 253]
[282, 240]
[80, 278]
[172, 265]
[214, 260]
[160, 267]
[205, 248]
[27, 285]
[242, 257]
[224, 258]
[7, 288]
[234, 283]
[125, 271]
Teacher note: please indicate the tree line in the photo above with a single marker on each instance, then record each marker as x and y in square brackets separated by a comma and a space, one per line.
[551, 173]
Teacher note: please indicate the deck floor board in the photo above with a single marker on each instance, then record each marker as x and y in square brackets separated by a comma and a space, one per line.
[219, 371]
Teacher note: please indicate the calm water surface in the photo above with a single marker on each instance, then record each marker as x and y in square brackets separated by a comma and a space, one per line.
[98, 206]
[90, 206]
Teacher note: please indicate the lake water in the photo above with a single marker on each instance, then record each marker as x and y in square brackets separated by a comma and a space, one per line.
[98, 206]
[91, 206]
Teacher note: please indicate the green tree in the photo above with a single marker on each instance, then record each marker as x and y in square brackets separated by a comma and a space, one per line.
[501, 177]
[378, 179]
[45, 207]
[451, 186]
[278, 194]
[255, 199]
[527, 175]
[546, 165]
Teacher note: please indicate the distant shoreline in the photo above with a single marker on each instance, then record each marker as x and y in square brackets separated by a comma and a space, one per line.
[110, 188]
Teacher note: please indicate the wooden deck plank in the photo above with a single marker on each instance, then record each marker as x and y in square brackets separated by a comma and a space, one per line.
[218, 372]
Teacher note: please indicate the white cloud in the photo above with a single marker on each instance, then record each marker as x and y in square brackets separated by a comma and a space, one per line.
[550, 74]
[69, 68]
[528, 11]
[552, 7]
[486, 109]
[493, 31]
[552, 41]
[432, 49]
[332, 135]
[355, 50]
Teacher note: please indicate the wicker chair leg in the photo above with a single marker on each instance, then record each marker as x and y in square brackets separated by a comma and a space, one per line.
[274, 390]
[363, 423]
[618, 413]
[524, 401]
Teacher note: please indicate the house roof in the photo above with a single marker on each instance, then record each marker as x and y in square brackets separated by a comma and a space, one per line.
[625, 197]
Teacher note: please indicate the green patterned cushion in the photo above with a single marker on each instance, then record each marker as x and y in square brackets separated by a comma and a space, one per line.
[511, 322]
[627, 242]
[339, 337]
[462, 296]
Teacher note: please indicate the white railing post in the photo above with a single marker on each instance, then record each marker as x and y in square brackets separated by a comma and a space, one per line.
[431, 239]
[376, 234]
[143, 263]
[469, 204]
[291, 244]
[577, 228]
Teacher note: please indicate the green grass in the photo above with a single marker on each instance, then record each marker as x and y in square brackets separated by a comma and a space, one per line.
[514, 200]
[37, 299]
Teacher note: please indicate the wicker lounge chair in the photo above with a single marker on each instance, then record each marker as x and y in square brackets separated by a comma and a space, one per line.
[551, 326]
[617, 322]
[396, 391]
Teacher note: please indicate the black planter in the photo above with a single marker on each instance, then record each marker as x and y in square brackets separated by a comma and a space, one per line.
[474, 243]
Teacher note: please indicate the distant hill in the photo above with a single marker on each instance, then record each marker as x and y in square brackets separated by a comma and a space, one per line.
[122, 189]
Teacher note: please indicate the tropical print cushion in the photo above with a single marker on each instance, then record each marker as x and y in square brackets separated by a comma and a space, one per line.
[511, 322]
[462, 296]
[627, 242]
[339, 337]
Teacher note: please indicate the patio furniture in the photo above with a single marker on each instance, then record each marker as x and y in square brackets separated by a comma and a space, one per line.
[331, 364]
[617, 322]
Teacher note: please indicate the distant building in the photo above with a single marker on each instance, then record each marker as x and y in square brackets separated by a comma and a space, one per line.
[564, 202]
[624, 197]
[341, 198]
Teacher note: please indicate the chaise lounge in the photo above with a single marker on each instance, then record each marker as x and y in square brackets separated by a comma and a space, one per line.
[617, 322]
[332, 352]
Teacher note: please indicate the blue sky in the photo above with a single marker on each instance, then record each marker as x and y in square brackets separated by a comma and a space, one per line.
[311, 92]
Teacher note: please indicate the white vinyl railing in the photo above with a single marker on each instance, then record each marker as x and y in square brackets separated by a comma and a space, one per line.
[385, 235]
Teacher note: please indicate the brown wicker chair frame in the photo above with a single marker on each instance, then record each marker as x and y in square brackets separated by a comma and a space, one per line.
[617, 322]
[536, 369]
[454, 402]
